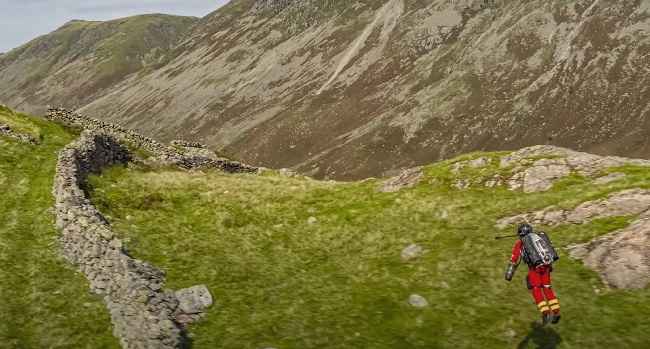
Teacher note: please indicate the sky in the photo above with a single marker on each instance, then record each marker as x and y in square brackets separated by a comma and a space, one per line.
[23, 20]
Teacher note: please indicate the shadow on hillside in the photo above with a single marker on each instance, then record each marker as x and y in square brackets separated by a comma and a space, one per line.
[541, 337]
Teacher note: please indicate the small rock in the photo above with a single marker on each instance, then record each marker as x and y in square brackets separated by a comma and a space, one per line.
[411, 252]
[462, 184]
[287, 172]
[418, 301]
[479, 162]
[312, 220]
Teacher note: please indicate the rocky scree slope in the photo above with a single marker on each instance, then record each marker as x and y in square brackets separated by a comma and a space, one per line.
[82, 60]
[351, 89]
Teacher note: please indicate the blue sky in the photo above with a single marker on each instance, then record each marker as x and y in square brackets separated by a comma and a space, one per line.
[23, 20]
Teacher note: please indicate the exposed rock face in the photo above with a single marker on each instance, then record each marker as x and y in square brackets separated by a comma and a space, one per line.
[612, 177]
[532, 174]
[6, 131]
[407, 179]
[622, 258]
[624, 203]
[144, 314]
[537, 168]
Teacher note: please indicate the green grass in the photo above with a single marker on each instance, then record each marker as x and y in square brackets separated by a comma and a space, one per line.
[18, 122]
[340, 283]
[282, 282]
[44, 303]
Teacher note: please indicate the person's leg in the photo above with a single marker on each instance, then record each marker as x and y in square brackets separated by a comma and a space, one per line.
[535, 285]
[551, 298]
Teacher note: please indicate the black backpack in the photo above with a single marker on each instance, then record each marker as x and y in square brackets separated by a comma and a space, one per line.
[538, 249]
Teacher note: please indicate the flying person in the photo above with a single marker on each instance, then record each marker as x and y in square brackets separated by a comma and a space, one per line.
[536, 250]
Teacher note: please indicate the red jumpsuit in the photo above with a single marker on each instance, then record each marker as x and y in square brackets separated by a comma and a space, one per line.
[539, 282]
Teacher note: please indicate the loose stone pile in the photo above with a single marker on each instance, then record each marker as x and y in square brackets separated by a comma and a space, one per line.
[144, 314]
[5, 130]
[192, 156]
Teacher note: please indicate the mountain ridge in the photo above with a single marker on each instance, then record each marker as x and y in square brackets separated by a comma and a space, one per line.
[350, 90]
[82, 59]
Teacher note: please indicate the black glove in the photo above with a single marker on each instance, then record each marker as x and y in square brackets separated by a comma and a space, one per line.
[510, 271]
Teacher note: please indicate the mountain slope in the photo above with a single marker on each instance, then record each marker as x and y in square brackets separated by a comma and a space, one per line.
[80, 60]
[352, 89]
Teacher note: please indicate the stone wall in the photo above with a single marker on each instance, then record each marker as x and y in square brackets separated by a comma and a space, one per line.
[190, 156]
[6, 131]
[143, 313]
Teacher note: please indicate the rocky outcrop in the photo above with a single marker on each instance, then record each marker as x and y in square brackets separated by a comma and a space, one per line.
[407, 179]
[192, 156]
[537, 168]
[6, 131]
[625, 203]
[622, 258]
[144, 314]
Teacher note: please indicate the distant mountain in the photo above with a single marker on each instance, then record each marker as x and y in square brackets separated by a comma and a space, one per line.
[79, 61]
[349, 89]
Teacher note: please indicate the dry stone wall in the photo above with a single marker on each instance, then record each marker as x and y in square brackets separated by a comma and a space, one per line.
[143, 313]
[191, 156]
[6, 131]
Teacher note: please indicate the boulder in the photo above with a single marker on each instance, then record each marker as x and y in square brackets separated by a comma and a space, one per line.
[194, 300]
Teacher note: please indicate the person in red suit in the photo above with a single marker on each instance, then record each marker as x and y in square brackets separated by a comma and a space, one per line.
[538, 279]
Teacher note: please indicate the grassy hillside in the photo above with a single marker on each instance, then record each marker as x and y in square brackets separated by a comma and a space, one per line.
[285, 280]
[298, 263]
[44, 303]
[76, 62]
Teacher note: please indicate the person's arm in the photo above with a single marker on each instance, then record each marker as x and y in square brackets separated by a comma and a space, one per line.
[515, 259]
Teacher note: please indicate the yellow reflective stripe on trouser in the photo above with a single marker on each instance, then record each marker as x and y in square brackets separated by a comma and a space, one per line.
[543, 307]
[554, 304]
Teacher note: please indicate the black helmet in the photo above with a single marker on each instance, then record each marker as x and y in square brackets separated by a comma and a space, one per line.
[524, 229]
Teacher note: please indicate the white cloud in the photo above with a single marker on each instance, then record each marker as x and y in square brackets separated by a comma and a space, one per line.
[23, 20]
